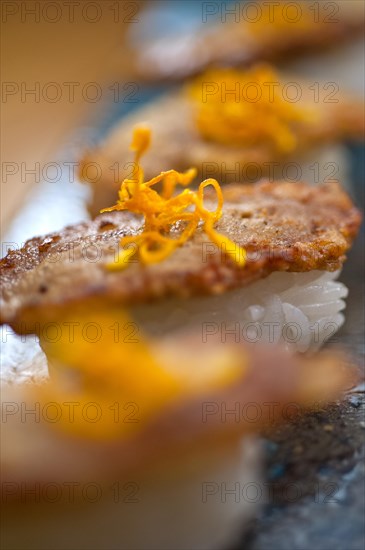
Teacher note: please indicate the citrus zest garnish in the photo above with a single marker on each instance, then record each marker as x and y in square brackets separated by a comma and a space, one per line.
[110, 384]
[276, 18]
[247, 108]
[161, 211]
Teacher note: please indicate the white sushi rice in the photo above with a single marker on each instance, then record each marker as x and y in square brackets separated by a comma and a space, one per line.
[200, 500]
[299, 310]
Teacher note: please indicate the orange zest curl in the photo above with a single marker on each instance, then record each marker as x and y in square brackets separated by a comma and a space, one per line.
[126, 377]
[161, 211]
[247, 109]
[276, 18]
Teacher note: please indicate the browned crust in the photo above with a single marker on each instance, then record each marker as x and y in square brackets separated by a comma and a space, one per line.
[284, 227]
[231, 43]
[268, 384]
[177, 144]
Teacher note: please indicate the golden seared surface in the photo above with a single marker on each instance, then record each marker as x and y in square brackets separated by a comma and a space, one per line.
[283, 226]
[233, 41]
[271, 388]
[177, 143]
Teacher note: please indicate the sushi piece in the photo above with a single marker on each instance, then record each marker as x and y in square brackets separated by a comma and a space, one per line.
[242, 34]
[258, 258]
[161, 474]
[235, 126]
